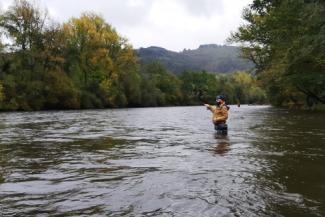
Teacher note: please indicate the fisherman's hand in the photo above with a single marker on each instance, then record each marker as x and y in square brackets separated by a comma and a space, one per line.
[207, 106]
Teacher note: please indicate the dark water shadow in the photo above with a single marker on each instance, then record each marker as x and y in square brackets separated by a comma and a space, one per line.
[222, 145]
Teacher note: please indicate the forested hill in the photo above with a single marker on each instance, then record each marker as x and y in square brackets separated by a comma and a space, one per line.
[210, 57]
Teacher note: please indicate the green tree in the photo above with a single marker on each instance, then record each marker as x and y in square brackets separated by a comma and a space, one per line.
[2, 96]
[159, 87]
[199, 87]
[285, 39]
[60, 91]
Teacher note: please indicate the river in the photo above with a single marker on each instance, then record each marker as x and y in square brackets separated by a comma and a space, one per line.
[162, 162]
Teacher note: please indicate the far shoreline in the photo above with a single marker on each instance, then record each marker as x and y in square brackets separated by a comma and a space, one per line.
[122, 108]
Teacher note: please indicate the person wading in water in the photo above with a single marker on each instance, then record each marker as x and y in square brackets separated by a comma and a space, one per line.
[220, 114]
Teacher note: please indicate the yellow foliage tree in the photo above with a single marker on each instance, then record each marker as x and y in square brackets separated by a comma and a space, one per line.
[103, 56]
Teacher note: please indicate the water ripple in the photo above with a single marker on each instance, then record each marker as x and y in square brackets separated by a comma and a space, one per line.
[161, 162]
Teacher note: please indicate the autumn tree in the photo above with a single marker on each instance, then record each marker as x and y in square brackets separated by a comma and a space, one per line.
[100, 60]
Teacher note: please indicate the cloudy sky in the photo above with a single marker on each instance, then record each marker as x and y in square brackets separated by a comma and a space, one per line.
[172, 24]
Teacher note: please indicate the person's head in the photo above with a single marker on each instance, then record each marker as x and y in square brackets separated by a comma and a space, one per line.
[220, 100]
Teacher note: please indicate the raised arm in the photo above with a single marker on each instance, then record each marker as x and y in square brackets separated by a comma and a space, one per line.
[209, 107]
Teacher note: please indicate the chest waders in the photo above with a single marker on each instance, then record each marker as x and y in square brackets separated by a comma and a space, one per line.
[221, 128]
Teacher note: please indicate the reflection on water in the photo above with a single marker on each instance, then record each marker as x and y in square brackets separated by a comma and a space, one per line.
[223, 144]
[162, 162]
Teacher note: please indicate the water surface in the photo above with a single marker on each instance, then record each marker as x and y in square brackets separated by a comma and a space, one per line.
[162, 162]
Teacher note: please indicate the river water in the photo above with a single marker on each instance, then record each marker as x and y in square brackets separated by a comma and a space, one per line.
[162, 162]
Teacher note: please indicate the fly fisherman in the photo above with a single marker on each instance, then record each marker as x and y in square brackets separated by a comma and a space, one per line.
[220, 114]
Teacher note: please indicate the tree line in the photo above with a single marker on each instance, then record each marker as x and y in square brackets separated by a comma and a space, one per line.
[85, 63]
[286, 41]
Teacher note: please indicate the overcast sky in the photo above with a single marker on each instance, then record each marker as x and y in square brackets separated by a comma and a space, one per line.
[172, 24]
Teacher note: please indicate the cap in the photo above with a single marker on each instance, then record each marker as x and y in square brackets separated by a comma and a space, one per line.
[221, 97]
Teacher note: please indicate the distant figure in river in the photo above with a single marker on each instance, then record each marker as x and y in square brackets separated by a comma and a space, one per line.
[220, 114]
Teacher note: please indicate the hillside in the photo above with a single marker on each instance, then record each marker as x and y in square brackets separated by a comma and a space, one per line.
[211, 58]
